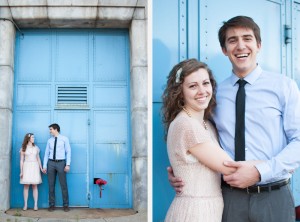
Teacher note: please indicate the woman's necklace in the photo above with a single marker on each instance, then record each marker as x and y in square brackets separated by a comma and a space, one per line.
[190, 115]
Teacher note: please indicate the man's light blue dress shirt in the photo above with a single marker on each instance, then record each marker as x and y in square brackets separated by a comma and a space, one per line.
[63, 150]
[272, 121]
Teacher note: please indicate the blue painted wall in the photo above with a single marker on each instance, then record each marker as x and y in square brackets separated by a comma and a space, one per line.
[188, 29]
[96, 63]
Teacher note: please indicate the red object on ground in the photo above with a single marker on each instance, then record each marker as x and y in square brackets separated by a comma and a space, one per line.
[101, 182]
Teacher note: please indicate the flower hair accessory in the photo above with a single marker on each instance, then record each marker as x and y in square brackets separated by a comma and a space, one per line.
[178, 74]
[29, 134]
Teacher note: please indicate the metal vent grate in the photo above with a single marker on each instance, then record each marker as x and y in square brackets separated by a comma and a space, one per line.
[71, 95]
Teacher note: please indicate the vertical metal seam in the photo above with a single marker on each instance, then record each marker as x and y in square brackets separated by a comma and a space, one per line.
[182, 30]
[294, 40]
[206, 31]
[203, 30]
[283, 45]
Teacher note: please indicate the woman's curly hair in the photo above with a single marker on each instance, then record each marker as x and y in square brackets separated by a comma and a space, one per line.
[26, 140]
[173, 96]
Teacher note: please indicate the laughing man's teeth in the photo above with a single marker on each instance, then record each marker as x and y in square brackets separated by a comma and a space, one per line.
[242, 55]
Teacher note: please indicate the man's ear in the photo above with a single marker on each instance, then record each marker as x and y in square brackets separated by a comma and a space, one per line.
[258, 47]
[224, 51]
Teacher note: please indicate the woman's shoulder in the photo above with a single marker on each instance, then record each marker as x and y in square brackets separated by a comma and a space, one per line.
[185, 124]
[180, 121]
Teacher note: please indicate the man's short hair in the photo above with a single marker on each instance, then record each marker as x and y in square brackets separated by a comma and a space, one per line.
[242, 22]
[55, 126]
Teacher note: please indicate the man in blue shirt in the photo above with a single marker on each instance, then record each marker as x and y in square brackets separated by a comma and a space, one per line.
[57, 160]
[261, 191]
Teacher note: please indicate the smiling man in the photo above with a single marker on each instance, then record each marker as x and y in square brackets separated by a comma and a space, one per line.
[271, 130]
[258, 118]
[57, 161]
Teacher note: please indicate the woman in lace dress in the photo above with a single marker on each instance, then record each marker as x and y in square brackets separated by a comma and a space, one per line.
[192, 142]
[30, 166]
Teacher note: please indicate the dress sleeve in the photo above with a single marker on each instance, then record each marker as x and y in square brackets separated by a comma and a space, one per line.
[191, 133]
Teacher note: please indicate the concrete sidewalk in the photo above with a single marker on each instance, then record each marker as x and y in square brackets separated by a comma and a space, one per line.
[75, 214]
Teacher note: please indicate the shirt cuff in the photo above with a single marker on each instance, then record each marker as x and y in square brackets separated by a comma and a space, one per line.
[265, 172]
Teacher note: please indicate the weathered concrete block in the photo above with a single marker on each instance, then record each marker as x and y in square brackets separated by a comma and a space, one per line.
[142, 3]
[5, 12]
[72, 2]
[139, 175]
[68, 17]
[139, 133]
[27, 2]
[139, 87]
[5, 133]
[71, 13]
[112, 24]
[5, 170]
[7, 43]
[77, 23]
[29, 13]
[6, 87]
[118, 3]
[3, 3]
[139, 13]
[138, 43]
[115, 13]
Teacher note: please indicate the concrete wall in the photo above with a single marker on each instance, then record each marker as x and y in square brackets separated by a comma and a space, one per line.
[131, 14]
[7, 43]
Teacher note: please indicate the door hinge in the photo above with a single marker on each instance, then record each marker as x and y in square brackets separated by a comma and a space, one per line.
[288, 34]
[89, 122]
[89, 196]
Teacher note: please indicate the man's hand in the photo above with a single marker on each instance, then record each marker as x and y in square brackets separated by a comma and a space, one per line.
[44, 170]
[67, 169]
[246, 174]
[175, 182]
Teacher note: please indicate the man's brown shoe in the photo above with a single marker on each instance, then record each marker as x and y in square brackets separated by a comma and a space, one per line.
[51, 208]
[66, 209]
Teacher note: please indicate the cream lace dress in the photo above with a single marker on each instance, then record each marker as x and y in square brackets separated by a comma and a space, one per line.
[201, 199]
[31, 169]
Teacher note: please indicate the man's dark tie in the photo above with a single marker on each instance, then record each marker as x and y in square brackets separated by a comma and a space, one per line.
[54, 152]
[240, 121]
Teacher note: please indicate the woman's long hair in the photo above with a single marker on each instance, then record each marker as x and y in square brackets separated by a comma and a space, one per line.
[173, 96]
[26, 140]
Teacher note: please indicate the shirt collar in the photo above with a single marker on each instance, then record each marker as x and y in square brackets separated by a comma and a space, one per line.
[56, 136]
[250, 78]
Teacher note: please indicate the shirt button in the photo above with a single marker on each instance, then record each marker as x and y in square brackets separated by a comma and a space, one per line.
[246, 149]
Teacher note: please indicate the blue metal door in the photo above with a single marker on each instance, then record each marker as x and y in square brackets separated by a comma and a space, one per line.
[80, 80]
[190, 31]
[111, 157]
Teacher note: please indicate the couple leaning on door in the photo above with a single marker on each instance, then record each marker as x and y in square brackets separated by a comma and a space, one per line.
[57, 160]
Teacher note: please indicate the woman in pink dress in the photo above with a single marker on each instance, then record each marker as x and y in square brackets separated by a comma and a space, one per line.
[193, 148]
[30, 167]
